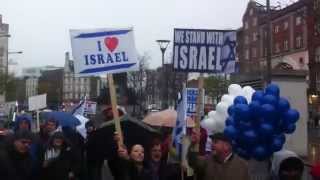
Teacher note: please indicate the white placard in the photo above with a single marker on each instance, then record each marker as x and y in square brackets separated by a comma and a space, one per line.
[103, 51]
[37, 102]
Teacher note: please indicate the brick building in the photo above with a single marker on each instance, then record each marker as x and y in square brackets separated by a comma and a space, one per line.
[294, 38]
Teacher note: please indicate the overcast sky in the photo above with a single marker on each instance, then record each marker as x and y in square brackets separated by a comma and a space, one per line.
[40, 28]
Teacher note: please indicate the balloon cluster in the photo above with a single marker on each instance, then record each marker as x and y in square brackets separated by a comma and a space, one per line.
[257, 128]
[216, 119]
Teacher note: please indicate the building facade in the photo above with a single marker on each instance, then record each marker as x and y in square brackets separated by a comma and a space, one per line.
[294, 40]
[4, 35]
[75, 88]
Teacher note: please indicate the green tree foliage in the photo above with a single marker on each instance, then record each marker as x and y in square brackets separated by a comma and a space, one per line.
[216, 86]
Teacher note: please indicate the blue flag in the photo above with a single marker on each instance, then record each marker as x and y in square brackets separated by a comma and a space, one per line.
[181, 124]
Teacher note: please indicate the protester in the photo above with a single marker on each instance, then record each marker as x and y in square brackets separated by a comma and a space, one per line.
[286, 165]
[15, 159]
[50, 127]
[23, 122]
[94, 163]
[59, 162]
[222, 164]
[132, 165]
[160, 169]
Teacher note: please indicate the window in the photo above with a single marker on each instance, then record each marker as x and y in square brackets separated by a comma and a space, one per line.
[286, 25]
[317, 54]
[254, 52]
[277, 48]
[246, 40]
[298, 42]
[246, 26]
[286, 45]
[1, 52]
[255, 36]
[255, 21]
[251, 12]
[276, 29]
[298, 20]
[246, 56]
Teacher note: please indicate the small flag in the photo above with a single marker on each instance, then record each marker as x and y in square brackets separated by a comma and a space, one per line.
[80, 108]
[180, 129]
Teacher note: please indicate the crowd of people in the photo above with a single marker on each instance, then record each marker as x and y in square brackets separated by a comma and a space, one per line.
[61, 153]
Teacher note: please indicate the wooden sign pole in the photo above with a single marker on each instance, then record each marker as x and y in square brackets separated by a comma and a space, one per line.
[113, 97]
[199, 106]
[38, 120]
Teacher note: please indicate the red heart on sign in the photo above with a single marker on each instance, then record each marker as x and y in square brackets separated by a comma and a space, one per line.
[111, 43]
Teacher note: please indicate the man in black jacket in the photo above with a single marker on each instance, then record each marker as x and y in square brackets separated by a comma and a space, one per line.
[15, 159]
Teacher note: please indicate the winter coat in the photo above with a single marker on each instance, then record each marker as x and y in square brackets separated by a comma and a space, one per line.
[59, 168]
[164, 171]
[130, 171]
[211, 169]
[58, 164]
[15, 166]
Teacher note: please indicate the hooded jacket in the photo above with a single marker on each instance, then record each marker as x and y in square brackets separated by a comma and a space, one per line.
[278, 158]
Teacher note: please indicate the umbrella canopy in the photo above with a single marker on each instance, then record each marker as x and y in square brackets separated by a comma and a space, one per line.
[166, 118]
[134, 132]
[65, 119]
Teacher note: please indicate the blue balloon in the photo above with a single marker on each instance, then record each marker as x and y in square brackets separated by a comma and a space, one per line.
[255, 109]
[280, 137]
[231, 110]
[291, 116]
[283, 105]
[251, 137]
[240, 100]
[270, 99]
[290, 129]
[266, 129]
[258, 96]
[273, 89]
[260, 152]
[241, 112]
[244, 153]
[231, 132]
[244, 126]
[230, 121]
[268, 111]
[277, 144]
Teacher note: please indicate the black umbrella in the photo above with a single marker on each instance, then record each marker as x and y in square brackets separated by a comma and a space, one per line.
[134, 132]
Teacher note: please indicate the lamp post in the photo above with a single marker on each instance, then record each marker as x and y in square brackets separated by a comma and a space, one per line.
[268, 59]
[165, 89]
[163, 47]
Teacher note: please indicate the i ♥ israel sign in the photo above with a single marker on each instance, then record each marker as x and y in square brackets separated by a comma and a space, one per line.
[102, 51]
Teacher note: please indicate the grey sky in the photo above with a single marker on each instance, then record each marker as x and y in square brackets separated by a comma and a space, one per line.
[40, 28]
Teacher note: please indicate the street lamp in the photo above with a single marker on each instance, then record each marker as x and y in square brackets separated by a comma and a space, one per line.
[165, 91]
[163, 47]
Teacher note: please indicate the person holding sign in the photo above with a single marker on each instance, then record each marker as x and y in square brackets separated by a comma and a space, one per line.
[132, 164]
[222, 164]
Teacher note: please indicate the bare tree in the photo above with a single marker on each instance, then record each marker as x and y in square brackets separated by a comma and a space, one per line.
[137, 81]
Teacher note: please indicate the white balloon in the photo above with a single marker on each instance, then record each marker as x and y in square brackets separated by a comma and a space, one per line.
[211, 114]
[235, 90]
[222, 108]
[227, 99]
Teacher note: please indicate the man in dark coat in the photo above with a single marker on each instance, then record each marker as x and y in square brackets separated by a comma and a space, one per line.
[15, 160]
[222, 164]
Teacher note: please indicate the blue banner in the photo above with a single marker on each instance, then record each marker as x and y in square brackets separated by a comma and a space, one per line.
[205, 51]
